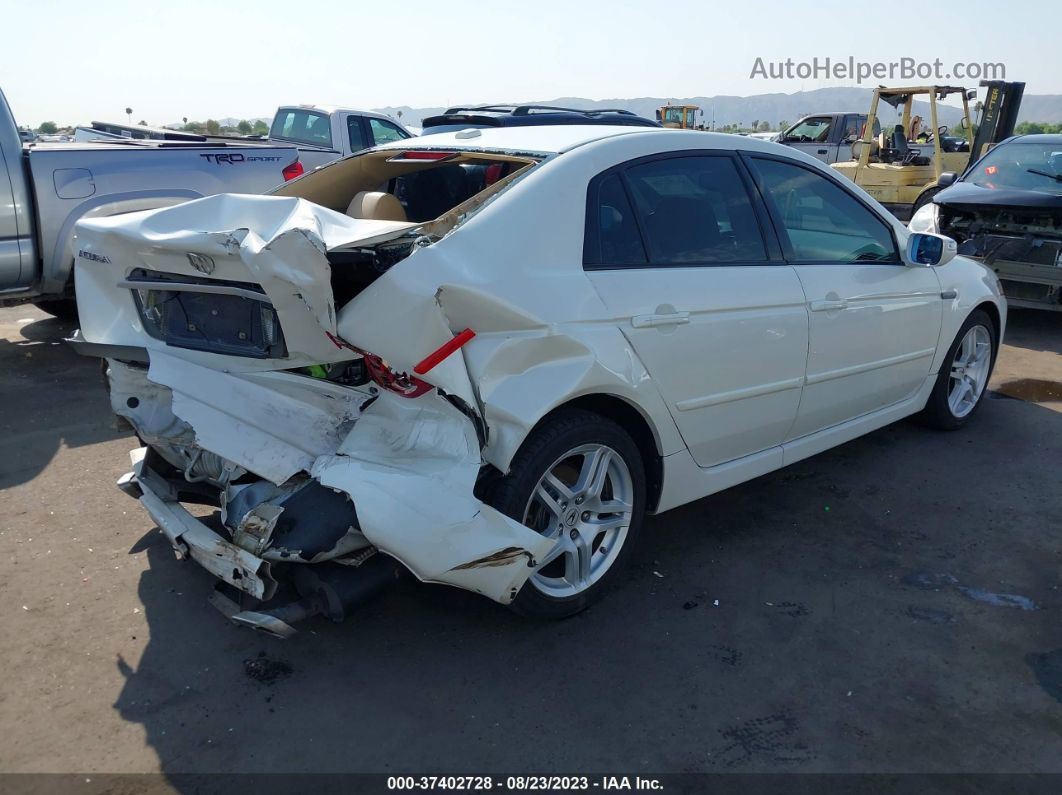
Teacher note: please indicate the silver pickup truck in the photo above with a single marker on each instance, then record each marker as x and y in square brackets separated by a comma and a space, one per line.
[325, 133]
[46, 189]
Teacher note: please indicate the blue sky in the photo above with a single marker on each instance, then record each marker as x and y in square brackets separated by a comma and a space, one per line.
[73, 61]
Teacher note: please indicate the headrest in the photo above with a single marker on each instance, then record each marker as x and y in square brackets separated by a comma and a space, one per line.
[377, 206]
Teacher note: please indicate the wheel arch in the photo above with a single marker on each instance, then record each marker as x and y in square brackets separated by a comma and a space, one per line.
[632, 420]
[990, 309]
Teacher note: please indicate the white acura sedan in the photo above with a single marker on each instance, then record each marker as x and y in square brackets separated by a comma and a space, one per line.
[489, 354]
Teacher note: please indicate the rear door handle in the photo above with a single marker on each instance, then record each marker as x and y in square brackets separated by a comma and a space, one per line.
[823, 151]
[653, 321]
[828, 306]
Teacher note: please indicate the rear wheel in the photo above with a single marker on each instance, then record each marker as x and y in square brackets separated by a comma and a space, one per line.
[579, 480]
[964, 375]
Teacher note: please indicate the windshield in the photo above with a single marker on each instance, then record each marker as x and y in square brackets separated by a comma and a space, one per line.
[813, 130]
[1023, 165]
[673, 115]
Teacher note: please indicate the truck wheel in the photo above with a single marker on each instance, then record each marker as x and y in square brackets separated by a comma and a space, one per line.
[578, 479]
[62, 308]
[924, 199]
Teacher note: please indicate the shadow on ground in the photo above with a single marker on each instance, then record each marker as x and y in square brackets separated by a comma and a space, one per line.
[1034, 330]
[38, 369]
[822, 618]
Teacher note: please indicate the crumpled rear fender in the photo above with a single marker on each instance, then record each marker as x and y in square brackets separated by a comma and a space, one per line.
[410, 467]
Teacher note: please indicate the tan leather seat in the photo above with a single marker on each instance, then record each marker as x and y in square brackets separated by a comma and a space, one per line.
[377, 206]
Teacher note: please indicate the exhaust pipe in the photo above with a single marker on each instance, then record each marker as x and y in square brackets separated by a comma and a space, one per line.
[338, 589]
[328, 589]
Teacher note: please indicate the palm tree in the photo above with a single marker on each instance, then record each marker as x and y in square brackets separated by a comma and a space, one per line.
[129, 113]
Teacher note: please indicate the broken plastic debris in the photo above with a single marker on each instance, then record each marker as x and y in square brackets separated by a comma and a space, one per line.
[658, 574]
[716, 603]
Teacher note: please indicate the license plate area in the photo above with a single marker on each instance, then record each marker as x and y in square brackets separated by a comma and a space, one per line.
[225, 317]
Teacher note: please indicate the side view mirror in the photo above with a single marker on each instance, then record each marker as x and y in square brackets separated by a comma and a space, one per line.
[925, 248]
[964, 123]
[947, 179]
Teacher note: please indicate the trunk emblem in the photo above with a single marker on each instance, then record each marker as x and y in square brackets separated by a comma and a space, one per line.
[202, 263]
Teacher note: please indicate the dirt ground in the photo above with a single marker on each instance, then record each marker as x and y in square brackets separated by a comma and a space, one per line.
[890, 605]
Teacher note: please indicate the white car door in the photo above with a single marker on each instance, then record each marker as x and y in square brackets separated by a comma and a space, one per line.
[874, 322]
[683, 258]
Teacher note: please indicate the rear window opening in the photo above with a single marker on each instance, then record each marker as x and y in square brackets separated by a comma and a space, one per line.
[418, 187]
[430, 190]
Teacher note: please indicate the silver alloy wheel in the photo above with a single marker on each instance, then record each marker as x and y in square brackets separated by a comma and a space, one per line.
[969, 371]
[585, 501]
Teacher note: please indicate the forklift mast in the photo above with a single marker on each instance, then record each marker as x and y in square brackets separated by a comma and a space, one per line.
[999, 116]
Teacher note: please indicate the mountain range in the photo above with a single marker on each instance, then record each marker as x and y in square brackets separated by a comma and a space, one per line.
[772, 108]
[742, 111]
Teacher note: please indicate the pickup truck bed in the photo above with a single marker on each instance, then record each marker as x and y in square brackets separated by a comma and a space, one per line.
[46, 188]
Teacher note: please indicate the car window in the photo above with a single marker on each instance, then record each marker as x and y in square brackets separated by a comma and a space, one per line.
[302, 126]
[695, 210]
[356, 134]
[815, 130]
[824, 223]
[384, 132]
[618, 239]
[429, 193]
[1025, 165]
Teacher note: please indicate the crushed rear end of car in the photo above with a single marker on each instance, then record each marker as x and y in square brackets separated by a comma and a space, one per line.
[278, 368]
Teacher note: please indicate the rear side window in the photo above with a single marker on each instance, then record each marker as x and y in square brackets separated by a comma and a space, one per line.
[356, 134]
[302, 126]
[824, 223]
[618, 241]
[695, 210]
[384, 132]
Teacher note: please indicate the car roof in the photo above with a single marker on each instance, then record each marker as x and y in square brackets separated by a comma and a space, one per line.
[330, 109]
[555, 139]
[546, 139]
[1038, 138]
[528, 115]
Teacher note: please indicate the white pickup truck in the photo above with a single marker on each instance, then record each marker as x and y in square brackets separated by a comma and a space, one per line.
[46, 188]
[325, 133]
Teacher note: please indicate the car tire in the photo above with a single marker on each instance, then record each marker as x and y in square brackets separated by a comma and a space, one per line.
[963, 378]
[62, 308]
[573, 465]
[925, 198]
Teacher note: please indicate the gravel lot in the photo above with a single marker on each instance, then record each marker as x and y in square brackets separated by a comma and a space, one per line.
[864, 610]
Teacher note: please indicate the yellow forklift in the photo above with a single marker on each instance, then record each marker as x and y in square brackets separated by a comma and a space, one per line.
[679, 117]
[901, 167]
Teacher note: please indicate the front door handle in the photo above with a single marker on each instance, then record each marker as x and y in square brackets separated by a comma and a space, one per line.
[655, 321]
[822, 151]
[828, 306]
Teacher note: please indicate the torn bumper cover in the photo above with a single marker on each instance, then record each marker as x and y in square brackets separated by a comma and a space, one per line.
[191, 539]
[405, 471]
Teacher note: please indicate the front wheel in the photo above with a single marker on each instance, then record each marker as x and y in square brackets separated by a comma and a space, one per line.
[579, 480]
[964, 374]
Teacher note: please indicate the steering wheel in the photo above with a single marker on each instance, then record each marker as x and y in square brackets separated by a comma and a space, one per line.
[941, 132]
